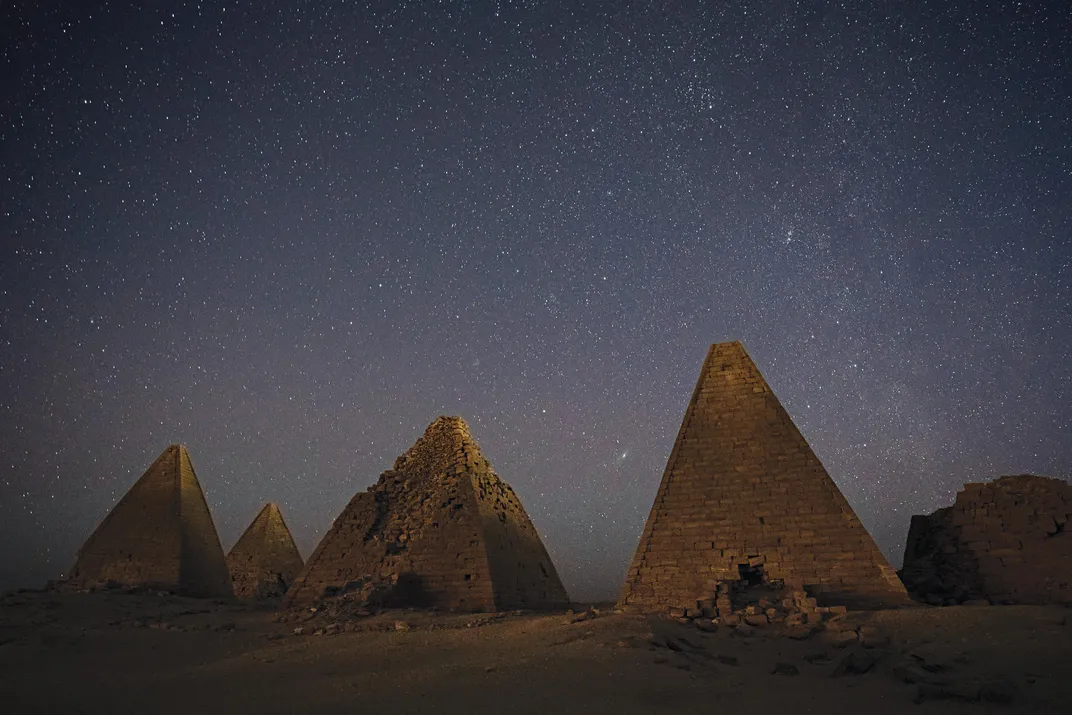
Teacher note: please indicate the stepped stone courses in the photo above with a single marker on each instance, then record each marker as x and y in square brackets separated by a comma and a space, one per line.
[160, 535]
[264, 561]
[1006, 541]
[440, 529]
[744, 497]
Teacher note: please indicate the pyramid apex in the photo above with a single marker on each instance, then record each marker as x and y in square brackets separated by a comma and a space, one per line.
[729, 346]
[448, 422]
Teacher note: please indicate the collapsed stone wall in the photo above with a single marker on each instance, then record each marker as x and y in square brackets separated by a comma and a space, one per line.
[1005, 541]
[440, 529]
[741, 487]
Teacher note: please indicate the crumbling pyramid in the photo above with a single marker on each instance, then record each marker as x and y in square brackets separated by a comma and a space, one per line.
[159, 535]
[1007, 541]
[441, 530]
[745, 500]
[264, 561]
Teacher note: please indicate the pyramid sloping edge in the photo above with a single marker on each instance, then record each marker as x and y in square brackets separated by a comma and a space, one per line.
[159, 535]
[742, 483]
[265, 561]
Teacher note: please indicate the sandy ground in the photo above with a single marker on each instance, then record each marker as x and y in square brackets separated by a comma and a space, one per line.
[116, 653]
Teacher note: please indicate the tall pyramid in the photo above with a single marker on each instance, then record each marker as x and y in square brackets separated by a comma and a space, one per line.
[159, 535]
[442, 530]
[744, 498]
[264, 561]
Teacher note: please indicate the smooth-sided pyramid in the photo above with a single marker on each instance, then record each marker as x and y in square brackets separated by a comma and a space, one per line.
[744, 499]
[264, 561]
[159, 535]
[441, 530]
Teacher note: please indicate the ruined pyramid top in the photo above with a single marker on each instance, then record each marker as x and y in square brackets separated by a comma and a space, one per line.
[444, 437]
[441, 529]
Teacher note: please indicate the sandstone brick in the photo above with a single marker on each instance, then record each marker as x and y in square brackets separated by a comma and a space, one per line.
[264, 561]
[440, 529]
[1003, 540]
[159, 535]
[745, 482]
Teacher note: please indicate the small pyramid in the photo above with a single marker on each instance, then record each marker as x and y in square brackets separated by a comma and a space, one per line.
[441, 530]
[159, 535]
[744, 499]
[264, 561]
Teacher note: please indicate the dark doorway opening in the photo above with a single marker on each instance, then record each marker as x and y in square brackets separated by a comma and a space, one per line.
[751, 575]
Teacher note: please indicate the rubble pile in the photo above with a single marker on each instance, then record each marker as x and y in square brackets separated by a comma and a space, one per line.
[366, 605]
[746, 605]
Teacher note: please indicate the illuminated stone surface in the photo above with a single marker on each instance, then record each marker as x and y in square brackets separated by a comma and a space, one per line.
[744, 496]
[264, 561]
[159, 535]
[441, 529]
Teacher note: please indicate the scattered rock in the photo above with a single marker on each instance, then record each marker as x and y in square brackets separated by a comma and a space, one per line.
[856, 662]
[840, 639]
[706, 625]
[401, 626]
[727, 659]
[299, 631]
[743, 629]
[910, 672]
[1001, 690]
[800, 633]
[818, 656]
[871, 637]
[785, 669]
[965, 692]
[757, 620]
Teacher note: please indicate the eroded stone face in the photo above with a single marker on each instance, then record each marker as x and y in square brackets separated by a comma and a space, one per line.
[742, 488]
[440, 529]
[1004, 541]
[160, 535]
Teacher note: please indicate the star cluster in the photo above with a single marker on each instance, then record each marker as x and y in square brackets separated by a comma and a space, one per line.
[289, 235]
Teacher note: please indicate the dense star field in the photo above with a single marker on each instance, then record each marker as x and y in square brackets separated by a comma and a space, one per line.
[289, 236]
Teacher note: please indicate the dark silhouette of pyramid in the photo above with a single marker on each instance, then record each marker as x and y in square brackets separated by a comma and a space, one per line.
[264, 561]
[442, 530]
[159, 535]
[744, 497]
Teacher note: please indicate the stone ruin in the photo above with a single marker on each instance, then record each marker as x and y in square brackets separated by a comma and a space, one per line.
[744, 499]
[439, 530]
[757, 602]
[1004, 541]
[264, 561]
[159, 536]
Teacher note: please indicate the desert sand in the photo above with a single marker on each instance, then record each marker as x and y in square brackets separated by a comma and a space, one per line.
[114, 652]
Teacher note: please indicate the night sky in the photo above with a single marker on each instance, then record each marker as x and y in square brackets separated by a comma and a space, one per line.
[290, 235]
